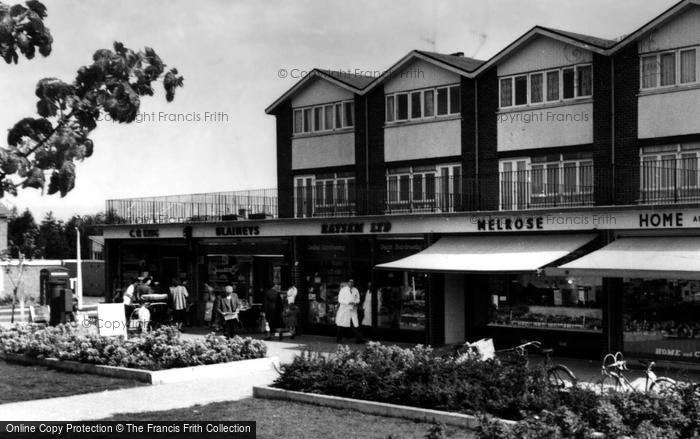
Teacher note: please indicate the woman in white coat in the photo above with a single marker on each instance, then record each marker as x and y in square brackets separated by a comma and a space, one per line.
[346, 317]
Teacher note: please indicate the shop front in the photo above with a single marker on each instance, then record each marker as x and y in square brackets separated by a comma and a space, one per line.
[656, 289]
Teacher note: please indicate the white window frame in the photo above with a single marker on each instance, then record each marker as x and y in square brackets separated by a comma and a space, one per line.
[338, 111]
[318, 201]
[521, 192]
[657, 61]
[545, 86]
[421, 94]
[658, 183]
[426, 201]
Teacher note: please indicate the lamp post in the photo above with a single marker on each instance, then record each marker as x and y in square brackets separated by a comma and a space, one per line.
[79, 271]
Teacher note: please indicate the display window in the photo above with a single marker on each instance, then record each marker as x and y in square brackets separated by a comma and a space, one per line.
[661, 318]
[401, 300]
[546, 302]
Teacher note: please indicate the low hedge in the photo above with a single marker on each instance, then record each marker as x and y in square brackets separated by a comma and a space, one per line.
[421, 377]
[160, 349]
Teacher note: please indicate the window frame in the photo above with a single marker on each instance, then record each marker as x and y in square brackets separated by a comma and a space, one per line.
[309, 113]
[392, 117]
[545, 75]
[677, 66]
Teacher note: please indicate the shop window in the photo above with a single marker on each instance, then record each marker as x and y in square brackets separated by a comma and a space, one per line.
[544, 302]
[401, 300]
[661, 319]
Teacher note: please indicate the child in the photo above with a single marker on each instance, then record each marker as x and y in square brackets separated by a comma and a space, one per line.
[264, 326]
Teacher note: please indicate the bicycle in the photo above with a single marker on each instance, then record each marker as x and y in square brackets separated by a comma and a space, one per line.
[614, 377]
[558, 375]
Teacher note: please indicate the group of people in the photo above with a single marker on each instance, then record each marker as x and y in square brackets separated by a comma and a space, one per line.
[280, 315]
[136, 295]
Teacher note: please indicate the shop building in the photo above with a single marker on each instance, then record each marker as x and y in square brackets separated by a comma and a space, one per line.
[550, 192]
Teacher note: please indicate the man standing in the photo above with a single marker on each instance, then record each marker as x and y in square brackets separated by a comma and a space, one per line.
[346, 317]
[228, 310]
[128, 298]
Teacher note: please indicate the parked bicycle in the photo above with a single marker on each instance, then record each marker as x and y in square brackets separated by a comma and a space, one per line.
[615, 377]
[558, 375]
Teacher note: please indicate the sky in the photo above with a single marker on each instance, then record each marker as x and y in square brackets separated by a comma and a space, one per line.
[216, 136]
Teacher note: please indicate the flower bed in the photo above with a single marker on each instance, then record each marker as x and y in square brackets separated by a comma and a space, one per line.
[420, 377]
[160, 349]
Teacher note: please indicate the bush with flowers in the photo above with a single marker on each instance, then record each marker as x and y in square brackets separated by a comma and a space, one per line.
[160, 349]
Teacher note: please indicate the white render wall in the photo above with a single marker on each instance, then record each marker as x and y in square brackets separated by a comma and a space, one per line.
[412, 141]
[322, 151]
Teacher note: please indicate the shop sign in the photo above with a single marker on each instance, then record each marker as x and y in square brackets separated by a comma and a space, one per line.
[524, 223]
[355, 227]
[144, 233]
[662, 220]
[237, 231]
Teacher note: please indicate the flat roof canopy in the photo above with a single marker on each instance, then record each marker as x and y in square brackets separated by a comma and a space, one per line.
[648, 257]
[501, 253]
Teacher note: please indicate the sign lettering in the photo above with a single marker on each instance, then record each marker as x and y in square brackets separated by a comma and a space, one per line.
[144, 233]
[494, 224]
[238, 231]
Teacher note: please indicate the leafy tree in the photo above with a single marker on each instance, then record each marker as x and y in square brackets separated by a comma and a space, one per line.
[22, 28]
[51, 239]
[22, 234]
[50, 144]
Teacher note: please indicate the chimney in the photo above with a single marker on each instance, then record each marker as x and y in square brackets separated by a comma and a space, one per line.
[457, 54]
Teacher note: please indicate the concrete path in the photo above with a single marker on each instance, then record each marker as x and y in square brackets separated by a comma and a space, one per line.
[139, 399]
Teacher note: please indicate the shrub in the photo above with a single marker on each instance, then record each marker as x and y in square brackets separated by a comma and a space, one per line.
[421, 377]
[160, 349]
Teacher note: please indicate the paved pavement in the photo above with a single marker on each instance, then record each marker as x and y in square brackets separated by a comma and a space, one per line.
[182, 395]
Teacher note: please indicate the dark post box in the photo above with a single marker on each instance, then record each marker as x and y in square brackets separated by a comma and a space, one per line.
[55, 292]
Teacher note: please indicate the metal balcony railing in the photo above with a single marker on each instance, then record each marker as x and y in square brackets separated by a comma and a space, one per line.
[204, 207]
[554, 187]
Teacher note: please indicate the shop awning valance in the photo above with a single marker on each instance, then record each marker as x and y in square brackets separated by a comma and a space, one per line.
[502, 253]
[642, 257]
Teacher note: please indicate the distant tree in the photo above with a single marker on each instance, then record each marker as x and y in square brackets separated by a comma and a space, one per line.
[22, 234]
[51, 240]
[22, 28]
[51, 144]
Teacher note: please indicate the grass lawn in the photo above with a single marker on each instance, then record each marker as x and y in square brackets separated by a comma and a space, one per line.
[24, 383]
[290, 420]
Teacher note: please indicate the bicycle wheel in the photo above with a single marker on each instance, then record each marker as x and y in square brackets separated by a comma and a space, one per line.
[663, 385]
[560, 377]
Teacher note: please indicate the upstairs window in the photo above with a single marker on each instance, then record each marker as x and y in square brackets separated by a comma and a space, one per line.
[422, 104]
[547, 86]
[321, 118]
[669, 68]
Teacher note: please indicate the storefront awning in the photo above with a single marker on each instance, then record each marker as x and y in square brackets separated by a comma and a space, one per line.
[648, 257]
[503, 253]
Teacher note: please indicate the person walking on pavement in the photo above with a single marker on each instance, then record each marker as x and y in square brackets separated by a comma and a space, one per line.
[346, 317]
[273, 307]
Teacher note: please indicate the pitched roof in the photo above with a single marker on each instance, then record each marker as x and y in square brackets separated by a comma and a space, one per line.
[458, 61]
[349, 81]
[587, 39]
[358, 82]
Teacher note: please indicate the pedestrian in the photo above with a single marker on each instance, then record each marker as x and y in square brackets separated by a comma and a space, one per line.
[346, 317]
[367, 305]
[143, 288]
[228, 309]
[209, 300]
[272, 307]
[178, 299]
[264, 325]
[291, 313]
[128, 298]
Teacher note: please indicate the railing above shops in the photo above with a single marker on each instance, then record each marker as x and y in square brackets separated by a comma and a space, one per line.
[203, 207]
[542, 188]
